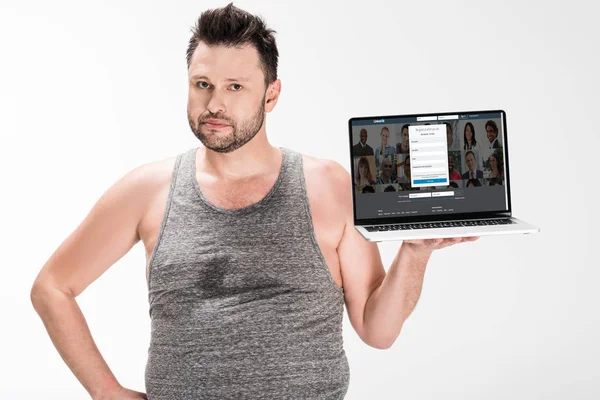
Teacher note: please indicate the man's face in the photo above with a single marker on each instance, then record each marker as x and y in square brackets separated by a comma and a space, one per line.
[226, 85]
[491, 135]
[405, 138]
[386, 167]
[449, 136]
[470, 161]
[363, 137]
[407, 167]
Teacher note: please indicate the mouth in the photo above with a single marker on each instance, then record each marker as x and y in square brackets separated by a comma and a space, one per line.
[215, 125]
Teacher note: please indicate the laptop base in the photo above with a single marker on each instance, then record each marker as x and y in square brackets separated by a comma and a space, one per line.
[517, 227]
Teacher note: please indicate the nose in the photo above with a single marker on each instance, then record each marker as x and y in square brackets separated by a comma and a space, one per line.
[216, 104]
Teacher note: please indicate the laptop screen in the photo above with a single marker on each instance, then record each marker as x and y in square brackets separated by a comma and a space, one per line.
[426, 165]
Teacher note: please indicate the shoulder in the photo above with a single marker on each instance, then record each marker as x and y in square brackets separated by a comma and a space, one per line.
[146, 183]
[325, 171]
[152, 175]
[329, 188]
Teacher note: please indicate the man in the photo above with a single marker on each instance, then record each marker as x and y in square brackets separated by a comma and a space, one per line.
[406, 168]
[403, 145]
[245, 284]
[491, 130]
[472, 171]
[362, 148]
[386, 172]
[405, 180]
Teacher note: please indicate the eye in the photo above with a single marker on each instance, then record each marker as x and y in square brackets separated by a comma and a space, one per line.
[199, 84]
[235, 85]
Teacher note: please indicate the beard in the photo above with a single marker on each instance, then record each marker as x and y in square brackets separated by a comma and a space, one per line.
[239, 136]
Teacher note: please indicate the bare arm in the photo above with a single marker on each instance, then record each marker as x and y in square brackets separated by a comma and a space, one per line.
[378, 303]
[71, 336]
[106, 234]
[394, 300]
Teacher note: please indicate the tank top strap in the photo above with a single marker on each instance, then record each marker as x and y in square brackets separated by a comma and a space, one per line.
[290, 174]
[184, 188]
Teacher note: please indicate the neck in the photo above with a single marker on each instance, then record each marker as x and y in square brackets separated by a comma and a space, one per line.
[255, 158]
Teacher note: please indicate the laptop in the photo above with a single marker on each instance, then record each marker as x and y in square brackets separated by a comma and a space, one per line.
[425, 176]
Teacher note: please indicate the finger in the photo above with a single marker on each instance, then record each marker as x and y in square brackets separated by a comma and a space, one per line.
[418, 242]
[425, 242]
[450, 242]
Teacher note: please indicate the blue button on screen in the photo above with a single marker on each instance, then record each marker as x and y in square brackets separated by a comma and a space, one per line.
[437, 180]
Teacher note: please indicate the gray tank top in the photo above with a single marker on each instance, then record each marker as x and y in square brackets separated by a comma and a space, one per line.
[242, 303]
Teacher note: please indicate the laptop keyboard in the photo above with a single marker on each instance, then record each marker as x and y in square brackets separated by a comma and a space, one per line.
[432, 225]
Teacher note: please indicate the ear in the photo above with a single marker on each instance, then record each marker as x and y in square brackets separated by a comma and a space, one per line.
[272, 96]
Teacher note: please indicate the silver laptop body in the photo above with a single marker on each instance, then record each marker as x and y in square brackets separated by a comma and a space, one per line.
[425, 176]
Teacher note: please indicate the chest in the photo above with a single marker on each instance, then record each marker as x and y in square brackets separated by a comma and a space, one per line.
[237, 195]
[327, 223]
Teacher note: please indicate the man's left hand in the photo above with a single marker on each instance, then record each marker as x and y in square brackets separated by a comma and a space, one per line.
[426, 246]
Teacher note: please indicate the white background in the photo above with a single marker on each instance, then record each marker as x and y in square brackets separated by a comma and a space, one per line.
[90, 90]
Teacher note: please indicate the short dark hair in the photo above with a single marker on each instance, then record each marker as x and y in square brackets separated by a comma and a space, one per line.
[368, 189]
[492, 124]
[474, 182]
[363, 130]
[404, 126]
[233, 27]
[449, 126]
